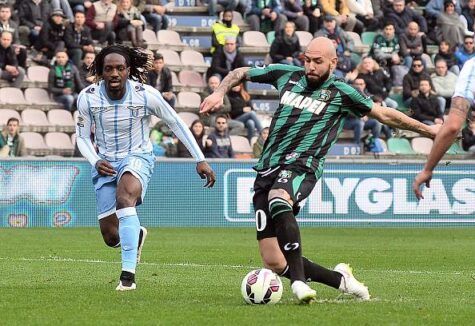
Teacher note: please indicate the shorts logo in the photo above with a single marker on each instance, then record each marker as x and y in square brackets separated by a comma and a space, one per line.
[284, 176]
[291, 246]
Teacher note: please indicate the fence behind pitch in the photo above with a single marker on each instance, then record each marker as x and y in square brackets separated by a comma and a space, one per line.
[47, 193]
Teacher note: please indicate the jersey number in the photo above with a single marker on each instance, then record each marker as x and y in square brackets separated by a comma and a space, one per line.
[261, 220]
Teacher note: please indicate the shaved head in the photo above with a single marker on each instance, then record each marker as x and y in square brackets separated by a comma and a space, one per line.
[320, 60]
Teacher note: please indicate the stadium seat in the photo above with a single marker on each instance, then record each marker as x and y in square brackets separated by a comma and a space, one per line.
[175, 81]
[73, 139]
[38, 74]
[6, 114]
[368, 38]
[188, 100]
[34, 144]
[193, 58]
[59, 143]
[359, 46]
[237, 19]
[75, 116]
[39, 96]
[456, 149]
[400, 102]
[171, 57]
[304, 38]
[241, 146]
[168, 38]
[270, 36]
[400, 146]
[422, 145]
[61, 120]
[150, 37]
[35, 120]
[254, 39]
[188, 117]
[191, 78]
[12, 95]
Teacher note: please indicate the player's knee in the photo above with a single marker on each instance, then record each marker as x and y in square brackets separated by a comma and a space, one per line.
[279, 193]
[125, 200]
[111, 239]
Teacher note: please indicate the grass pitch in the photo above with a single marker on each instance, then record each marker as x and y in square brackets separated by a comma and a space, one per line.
[193, 276]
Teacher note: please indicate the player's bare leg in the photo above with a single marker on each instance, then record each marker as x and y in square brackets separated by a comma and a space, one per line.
[109, 226]
[128, 193]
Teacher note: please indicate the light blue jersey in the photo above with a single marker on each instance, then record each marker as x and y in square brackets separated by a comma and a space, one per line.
[122, 136]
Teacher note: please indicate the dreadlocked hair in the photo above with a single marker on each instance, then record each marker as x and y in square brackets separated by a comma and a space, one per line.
[139, 61]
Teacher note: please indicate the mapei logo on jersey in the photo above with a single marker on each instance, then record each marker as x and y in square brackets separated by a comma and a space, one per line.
[303, 102]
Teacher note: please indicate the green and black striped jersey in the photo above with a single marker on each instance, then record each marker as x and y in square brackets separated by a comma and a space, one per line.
[308, 120]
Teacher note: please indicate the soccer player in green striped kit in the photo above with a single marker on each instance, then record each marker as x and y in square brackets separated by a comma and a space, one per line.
[313, 106]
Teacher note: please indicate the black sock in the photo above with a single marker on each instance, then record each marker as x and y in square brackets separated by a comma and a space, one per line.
[288, 236]
[320, 274]
[316, 273]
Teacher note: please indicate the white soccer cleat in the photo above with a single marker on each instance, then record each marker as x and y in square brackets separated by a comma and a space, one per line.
[303, 292]
[142, 236]
[349, 284]
[122, 287]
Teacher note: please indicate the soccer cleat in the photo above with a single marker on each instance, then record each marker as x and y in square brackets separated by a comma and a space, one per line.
[303, 292]
[349, 284]
[142, 236]
[126, 282]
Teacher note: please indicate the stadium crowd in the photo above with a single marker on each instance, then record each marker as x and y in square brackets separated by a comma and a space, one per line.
[398, 68]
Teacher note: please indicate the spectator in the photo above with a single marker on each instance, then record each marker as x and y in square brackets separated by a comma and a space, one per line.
[377, 81]
[223, 29]
[468, 136]
[340, 11]
[363, 10]
[198, 131]
[218, 143]
[208, 120]
[226, 4]
[83, 68]
[410, 85]
[446, 53]
[10, 70]
[286, 47]
[293, 10]
[412, 44]
[52, 36]
[33, 14]
[226, 59]
[160, 77]
[78, 38]
[313, 10]
[9, 25]
[359, 124]
[425, 105]
[129, 24]
[401, 16]
[154, 12]
[443, 81]
[434, 8]
[378, 11]
[65, 7]
[64, 81]
[450, 27]
[101, 19]
[265, 16]
[331, 30]
[465, 51]
[259, 144]
[468, 17]
[11, 142]
[385, 49]
[241, 110]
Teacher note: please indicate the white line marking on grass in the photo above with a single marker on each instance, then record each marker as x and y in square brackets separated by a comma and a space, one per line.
[185, 264]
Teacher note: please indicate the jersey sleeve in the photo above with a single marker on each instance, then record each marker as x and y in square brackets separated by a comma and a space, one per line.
[270, 74]
[160, 108]
[465, 85]
[83, 130]
[354, 101]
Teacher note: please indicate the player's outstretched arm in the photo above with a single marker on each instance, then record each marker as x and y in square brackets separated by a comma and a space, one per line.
[396, 119]
[215, 100]
[448, 133]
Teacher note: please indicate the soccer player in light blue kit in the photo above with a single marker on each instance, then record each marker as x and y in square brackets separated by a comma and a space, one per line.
[119, 106]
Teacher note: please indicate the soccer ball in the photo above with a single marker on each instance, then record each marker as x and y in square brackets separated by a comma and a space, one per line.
[261, 286]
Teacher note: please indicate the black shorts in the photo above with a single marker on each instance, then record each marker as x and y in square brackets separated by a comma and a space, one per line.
[297, 182]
